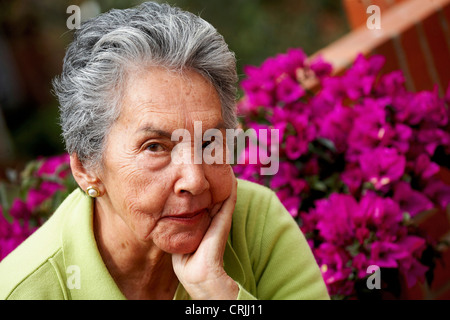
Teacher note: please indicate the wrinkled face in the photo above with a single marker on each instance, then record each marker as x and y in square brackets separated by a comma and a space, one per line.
[158, 200]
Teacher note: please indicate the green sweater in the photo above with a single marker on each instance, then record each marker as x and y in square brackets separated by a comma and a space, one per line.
[266, 254]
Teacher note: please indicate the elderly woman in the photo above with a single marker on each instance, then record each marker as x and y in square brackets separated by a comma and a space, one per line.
[142, 226]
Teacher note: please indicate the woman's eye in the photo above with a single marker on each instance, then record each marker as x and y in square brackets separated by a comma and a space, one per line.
[155, 147]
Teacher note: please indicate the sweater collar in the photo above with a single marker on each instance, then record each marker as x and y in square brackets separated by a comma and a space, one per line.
[80, 250]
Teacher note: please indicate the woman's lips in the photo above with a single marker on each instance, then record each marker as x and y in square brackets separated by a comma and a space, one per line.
[188, 217]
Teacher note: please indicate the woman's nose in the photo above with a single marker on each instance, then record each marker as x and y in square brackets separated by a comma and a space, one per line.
[192, 179]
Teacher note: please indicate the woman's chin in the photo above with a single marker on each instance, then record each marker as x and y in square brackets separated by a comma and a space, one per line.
[181, 247]
[180, 237]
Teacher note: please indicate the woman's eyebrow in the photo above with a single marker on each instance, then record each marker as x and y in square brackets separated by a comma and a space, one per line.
[159, 132]
[149, 129]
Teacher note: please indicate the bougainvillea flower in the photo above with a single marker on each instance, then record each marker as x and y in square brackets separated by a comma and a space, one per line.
[46, 190]
[336, 126]
[431, 137]
[386, 254]
[12, 234]
[334, 216]
[382, 166]
[292, 61]
[410, 265]
[333, 262]
[288, 90]
[391, 84]
[352, 177]
[431, 107]
[382, 215]
[438, 192]
[320, 67]
[411, 201]
[52, 164]
[287, 172]
[256, 93]
[424, 168]
[19, 209]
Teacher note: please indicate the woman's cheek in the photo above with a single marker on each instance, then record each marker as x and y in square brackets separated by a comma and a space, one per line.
[220, 179]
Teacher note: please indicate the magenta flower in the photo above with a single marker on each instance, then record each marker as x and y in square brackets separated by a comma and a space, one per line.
[391, 84]
[438, 192]
[289, 90]
[361, 262]
[297, 145]
[334, 216]
[411, 201]
[333, 263]
[423, 107]
[336, 126]
[45, 191]
[424, 168]
[288, 176]
[293, 60]
[256, 93]
[53, 164]
[370, 66]
[381, 215]
[410, 265]
[248, 172]
[386, 254]
[333, 92]
[382, 166]
[12, 234]
[360, 78]
[20, 210]
[431, 106]
[429, 138]
[352, 177]
[320, 67]
[371, 130]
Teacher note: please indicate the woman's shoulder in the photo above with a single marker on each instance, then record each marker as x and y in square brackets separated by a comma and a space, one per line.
[253, 198]
[255, 206]
[252, 192]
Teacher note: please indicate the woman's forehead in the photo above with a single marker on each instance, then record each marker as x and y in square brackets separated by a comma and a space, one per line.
[171, 99]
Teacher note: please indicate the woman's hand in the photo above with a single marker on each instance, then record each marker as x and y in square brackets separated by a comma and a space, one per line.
[201, 272]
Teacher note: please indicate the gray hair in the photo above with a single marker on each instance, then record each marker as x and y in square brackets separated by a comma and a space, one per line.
[89, 88]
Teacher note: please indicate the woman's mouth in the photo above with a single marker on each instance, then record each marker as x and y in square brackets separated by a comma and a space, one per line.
[187, 217]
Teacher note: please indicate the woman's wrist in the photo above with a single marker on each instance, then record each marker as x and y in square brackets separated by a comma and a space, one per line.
[221, 288]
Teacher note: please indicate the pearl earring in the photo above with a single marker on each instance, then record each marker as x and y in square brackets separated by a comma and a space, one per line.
[93, 192]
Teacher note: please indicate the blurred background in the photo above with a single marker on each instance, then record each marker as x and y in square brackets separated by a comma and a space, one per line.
[34, 35]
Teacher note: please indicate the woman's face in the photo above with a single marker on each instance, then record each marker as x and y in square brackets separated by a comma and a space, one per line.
[158, 200]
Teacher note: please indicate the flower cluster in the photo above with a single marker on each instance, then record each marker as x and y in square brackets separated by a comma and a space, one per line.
[35, 195]
[359, 156]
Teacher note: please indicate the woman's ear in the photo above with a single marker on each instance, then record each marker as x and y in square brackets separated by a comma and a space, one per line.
[83, 176]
